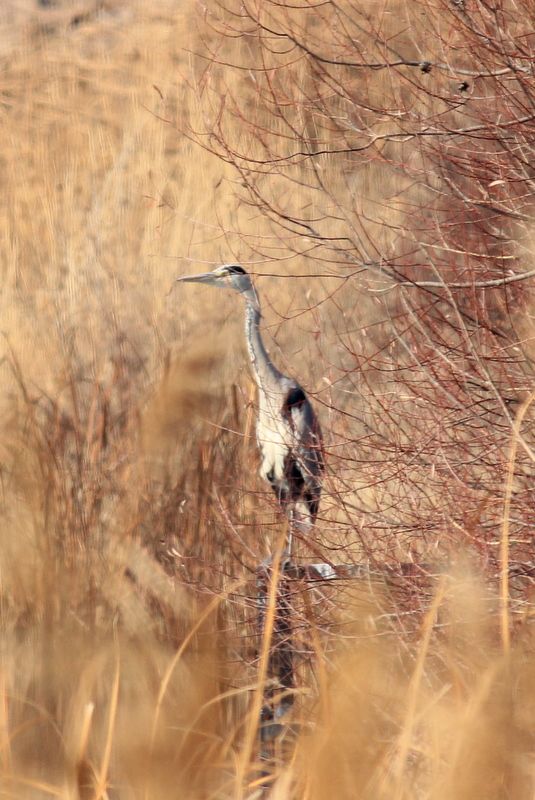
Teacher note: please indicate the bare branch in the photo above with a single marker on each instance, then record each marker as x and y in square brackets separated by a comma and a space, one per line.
[490, 284]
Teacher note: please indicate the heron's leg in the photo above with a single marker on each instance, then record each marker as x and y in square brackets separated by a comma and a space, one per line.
[286, 539]
[287, 554]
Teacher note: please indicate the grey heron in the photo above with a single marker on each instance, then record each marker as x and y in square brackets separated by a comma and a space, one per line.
[288, 433]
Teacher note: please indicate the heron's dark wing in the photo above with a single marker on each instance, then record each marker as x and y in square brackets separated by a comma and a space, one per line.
[309, 456]
[306, 454]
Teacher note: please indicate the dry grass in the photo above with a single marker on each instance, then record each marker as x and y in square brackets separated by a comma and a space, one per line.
[131, 515]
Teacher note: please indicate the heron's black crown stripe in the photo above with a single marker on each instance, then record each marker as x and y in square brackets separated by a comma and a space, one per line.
[236, 270]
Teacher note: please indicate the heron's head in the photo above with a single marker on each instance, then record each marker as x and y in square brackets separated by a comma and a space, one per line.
[228, 276]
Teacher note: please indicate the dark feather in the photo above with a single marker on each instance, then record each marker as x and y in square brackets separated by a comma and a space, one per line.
[304, 464]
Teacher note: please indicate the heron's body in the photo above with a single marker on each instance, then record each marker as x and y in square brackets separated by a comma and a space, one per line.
[288, 432]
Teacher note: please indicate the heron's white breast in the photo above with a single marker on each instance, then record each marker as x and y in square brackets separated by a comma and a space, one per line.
[274, 438]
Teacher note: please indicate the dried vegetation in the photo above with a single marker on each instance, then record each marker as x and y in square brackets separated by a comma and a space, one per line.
[374, 168]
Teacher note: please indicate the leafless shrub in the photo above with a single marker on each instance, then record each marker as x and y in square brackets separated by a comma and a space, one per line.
[392, 153]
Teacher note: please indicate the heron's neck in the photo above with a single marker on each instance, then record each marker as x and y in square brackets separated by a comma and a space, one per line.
[265, 372]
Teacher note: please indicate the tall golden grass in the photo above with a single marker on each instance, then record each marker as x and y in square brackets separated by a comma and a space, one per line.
[132, 518]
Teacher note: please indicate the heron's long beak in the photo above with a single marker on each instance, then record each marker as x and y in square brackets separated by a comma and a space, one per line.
[203, 277]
